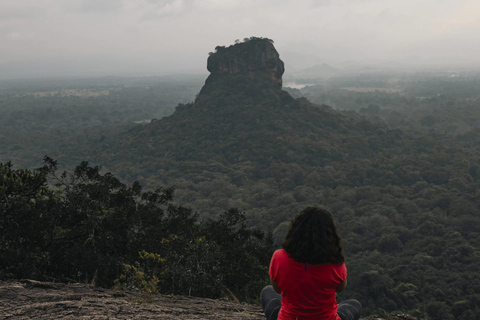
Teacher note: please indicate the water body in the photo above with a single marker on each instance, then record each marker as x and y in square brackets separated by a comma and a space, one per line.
[294, 85]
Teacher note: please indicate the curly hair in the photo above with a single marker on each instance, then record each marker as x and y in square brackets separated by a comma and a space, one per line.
[312, 238]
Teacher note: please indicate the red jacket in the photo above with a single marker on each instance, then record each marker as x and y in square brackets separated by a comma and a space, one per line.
[308, 290]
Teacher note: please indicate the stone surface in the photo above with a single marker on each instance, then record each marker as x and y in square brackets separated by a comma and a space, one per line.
[29, 299]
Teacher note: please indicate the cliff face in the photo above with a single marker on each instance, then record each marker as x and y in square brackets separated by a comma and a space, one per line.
[255, 59]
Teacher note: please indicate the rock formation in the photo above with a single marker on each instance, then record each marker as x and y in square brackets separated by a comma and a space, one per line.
[29, 299]
[255, 59]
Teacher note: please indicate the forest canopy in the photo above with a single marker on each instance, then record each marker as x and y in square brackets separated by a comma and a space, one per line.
[395, 159]
[90, 227]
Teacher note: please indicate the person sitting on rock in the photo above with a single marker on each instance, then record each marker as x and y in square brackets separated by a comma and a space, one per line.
[308, 272]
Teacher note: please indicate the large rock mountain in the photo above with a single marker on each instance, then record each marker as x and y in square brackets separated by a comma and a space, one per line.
[246, 143]
[256, 60]
[242, 114]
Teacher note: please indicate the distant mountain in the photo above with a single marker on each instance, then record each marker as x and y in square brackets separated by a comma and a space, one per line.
[244, 142]
[242, 115]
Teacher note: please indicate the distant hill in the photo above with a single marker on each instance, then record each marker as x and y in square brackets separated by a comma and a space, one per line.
[243, 124]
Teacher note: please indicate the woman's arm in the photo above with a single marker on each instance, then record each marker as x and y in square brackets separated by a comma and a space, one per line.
[275, 286]
[342, 286]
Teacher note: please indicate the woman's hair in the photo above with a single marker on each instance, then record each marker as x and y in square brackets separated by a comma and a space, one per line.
[312, 238]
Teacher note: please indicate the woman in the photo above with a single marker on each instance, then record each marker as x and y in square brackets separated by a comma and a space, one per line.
[308, 272]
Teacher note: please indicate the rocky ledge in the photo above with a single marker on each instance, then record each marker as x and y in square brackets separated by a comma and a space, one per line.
[29, 299]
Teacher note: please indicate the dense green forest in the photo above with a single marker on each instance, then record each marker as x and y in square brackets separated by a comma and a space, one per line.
[88, 226]
[393, 156]
[42, 116]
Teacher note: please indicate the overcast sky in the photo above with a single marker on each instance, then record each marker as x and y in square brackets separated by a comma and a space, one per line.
[154, 37]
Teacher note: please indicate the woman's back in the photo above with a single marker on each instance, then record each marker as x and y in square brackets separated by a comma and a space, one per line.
[308, 272]
[307, 290]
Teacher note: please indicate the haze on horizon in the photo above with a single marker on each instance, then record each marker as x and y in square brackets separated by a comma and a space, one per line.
[52, 38]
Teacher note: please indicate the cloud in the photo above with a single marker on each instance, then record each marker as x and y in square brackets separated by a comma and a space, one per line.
[12, 10]
[171, 33]
[159, 9]
[220, 5]
[101, 6]
[461, 17]
[94, 6]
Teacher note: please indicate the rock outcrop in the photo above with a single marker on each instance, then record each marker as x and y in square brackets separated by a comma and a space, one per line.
[255, 59]
[29, 299]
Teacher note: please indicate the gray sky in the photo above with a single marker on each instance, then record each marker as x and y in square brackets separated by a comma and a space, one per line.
[154, 37]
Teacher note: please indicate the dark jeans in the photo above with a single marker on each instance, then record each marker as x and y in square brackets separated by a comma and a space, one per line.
[272, 301]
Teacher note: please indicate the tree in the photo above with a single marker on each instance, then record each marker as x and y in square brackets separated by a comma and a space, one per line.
[103, 223]
[89, 226]
[28, 211]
